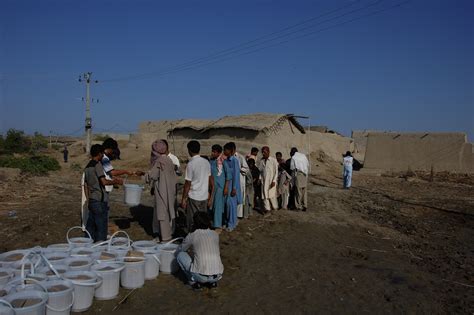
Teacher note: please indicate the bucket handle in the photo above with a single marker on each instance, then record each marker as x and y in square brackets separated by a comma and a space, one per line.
[64, 309]
[89, 284]
[119, 269]
[172, 241]
[99, 244]
[23, 263]
[23, 283]
[118, 232]
[75, 228]
[2, 301]
[51, 267]
[156, 258]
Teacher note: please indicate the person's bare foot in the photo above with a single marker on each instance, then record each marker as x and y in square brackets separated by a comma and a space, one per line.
[218, 230]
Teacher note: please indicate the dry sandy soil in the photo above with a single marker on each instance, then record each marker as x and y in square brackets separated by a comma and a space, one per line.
[389, 245]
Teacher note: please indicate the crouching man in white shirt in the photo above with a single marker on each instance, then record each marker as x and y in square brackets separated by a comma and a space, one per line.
[206, 267]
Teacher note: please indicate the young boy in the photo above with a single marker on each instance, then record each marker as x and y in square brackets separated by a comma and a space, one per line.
[255, 183]
[95, 181]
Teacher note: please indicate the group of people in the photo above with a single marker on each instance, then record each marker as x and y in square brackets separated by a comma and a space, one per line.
[218, 190]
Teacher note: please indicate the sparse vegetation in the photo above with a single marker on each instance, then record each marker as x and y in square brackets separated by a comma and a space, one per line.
[35, 164]
[17, 150]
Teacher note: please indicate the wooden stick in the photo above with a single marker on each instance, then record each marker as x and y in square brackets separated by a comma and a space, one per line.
[463, 284]
[123, 300]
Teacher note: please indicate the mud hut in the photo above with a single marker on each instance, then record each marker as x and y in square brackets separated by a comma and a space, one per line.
[279, 131]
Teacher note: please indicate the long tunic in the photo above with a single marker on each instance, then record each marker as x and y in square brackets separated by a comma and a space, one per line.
[233, 176]
[162, 177]
[243, 168]
[218, 202]
[269, 174]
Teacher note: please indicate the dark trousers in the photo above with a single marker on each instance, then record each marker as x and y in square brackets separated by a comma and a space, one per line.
[192, 207]
[97, 222]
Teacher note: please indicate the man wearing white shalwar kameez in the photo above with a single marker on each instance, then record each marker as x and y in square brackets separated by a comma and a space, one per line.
[244, 168]
[269, 178]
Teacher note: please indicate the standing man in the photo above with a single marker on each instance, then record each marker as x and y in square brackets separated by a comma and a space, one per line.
[300, 168]
[347, 173]
[219, 171]
[269, 178]
[232, 187]
[198, 185]
[65, 154]
[97, 197]
[243, 170]
[162, 178]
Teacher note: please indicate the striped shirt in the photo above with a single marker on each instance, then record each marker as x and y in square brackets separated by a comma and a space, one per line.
[207, 257]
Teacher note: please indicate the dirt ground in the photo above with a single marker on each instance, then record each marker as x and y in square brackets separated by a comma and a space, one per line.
[388, 245]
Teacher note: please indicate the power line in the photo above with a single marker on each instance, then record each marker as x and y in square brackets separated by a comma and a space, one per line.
[282, 33]
[202, 64]
[220, 52]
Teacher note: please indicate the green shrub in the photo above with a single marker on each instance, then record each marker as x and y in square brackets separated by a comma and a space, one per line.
[38, 142]
[34, 165]
[16, 142]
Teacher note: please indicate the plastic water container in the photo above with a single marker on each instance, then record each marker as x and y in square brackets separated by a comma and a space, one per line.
[61, 297]
[144, 245]
[37, 294]
[168, 263]
[133, 275]
[38, 306]
[9, 258]
[5, 275]
[79, 241]
[133, 194]
[6, 308]
[85, 283]
[152, 263]
[110, 273]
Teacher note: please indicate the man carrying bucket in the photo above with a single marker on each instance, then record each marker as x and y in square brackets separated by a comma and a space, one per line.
[95, 181]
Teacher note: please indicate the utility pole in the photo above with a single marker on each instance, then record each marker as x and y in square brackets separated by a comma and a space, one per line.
[86, 77]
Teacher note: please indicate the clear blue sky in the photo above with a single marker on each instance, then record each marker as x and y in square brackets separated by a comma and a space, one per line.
[410, 68]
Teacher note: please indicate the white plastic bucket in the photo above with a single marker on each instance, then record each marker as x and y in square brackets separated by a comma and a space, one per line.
[83, 252]
[79, 241]
[133, 275]
[124, 244]
[38, 299]
[9, 258]
[60, 247]
[85, 283]
[6, 308]
[152, 263]
[168, 256]
[61, 269]
[144, 245]
[106, 256]
[56, 258]
[133, 194]
[5, 275]
[110, 274]
[78, 263]
[61, 297]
